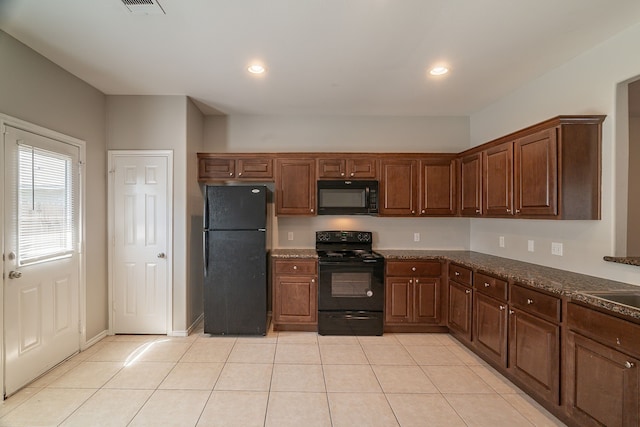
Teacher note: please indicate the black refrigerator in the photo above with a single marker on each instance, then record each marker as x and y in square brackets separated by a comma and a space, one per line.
[235, 260]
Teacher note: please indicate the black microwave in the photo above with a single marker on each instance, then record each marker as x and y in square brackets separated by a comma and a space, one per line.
[347, 197]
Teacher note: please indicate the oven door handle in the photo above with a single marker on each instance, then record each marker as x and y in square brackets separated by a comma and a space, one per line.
[349, 317]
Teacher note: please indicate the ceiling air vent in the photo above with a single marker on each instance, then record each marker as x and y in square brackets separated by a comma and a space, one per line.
[144, 7]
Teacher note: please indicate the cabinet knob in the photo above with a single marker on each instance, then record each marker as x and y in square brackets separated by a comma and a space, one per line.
[313, 280]
[413, 269]
[311, 209]
[529, 301]
[502, 307]
[410, 281]
[467, 291]
[413, 212]
[423, 211]
[457, 273]
[341, 173]
[629, 365]
[477, 211]
[486, 285]
[517, 210]
[352, 174]
[508, 210]
[295, 267]
[239, 173]
[511, 311]
[230, 173]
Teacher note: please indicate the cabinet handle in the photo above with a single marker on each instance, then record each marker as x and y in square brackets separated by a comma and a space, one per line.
[508, 210]
[629, 365]
[413, 269]
[423, 211]
[517, 210]
[417, 281]
[295, 267]
[230, 173]
[511, 311]
[529, 301]
[352, 174]
[239, 173]
[341, 173]
[413, 212]
[502, 307]
[477, 211]
[313, 280]
[486, 285]
[311, 209]
[457, 273]
[467, 291]
[410, 281]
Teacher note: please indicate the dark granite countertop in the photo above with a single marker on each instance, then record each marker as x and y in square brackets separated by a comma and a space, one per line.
[564, 283]
[560, 282]
[629, 260]
[293, 253]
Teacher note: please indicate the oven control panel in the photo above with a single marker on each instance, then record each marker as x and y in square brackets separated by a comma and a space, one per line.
[343, 236]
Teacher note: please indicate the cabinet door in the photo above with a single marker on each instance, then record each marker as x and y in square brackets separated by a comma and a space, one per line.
[426, 300]
[602, 384]
[216, 168]
[331, 168]
[362, 168]
[536, 174]
[534, 353]
[295, 187]
[437, 187]
[255, 168]
[471, 185]
[295, 299]
[498, 180]
[398, 300]
[399, 187]
[459, 317]
[490, 327]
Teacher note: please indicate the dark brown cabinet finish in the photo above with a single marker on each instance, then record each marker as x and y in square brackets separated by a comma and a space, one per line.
[295, 186]
[348, 168]
[412, 293]
[498, 180]
[295, 294]
[534, 353]
[217, 167]
[490, 327]
[398, 187]
[438, 187]
[536, 180]
[471, 185]
[603, 369]
[460, 309]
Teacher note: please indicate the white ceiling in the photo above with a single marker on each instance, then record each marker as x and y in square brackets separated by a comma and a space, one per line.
[338, 57]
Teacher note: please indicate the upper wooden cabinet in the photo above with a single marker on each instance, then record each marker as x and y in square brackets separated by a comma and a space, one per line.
[438, 187]
[223, 167]
[549, 171]
[471, 185]
[295, 186]
[348, 168]
[418, 186]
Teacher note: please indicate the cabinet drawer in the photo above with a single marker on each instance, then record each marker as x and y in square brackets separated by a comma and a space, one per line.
[609, 330]
[491, 286]
[414, 268]
[534, 302]
[295, 267]
[460, 274]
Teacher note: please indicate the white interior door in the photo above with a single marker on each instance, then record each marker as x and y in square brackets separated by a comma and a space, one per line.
[42, 257]
[140, 210]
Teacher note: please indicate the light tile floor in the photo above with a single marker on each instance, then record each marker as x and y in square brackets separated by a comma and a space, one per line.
[283, 379]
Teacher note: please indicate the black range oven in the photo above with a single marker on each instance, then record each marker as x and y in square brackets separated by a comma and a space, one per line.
[350, 285]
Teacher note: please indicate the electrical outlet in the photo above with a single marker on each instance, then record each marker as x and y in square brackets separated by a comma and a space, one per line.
[416, 237]
[501, 241]
[556, 248]
[290, 235]
[530, 246]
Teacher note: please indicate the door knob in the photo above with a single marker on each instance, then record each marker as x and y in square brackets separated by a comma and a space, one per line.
[15, 275]
[162, 255]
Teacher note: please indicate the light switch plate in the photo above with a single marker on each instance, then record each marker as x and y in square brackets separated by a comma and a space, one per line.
[501, 241]
[530, 246]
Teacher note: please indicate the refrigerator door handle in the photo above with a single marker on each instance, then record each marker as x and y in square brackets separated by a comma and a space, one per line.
[206, 253]
[262, 229]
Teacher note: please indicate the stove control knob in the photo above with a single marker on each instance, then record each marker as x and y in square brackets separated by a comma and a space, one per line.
[369, 293]
[364, 237]
[323, 236]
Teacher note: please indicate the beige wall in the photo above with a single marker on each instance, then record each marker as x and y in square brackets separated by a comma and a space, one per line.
[249, 133]
[585, 85]
[195, 208]
[159, 123]
[36, 90]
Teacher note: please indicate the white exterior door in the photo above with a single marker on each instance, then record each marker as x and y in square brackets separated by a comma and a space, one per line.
[41, 255]
[140, 230]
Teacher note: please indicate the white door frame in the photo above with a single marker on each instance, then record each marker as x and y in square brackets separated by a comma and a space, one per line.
[112, 154]
[82, 291]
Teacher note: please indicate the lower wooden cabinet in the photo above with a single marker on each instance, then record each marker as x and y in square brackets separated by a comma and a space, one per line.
[460, 310]
[295, 294]
[413, 294]
[602, 369]
[490, 327]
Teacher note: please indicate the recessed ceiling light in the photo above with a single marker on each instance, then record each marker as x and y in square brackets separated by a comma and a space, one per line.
[438, 71]
[256, 69]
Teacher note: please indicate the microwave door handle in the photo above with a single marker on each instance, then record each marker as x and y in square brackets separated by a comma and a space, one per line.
[367, 198]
